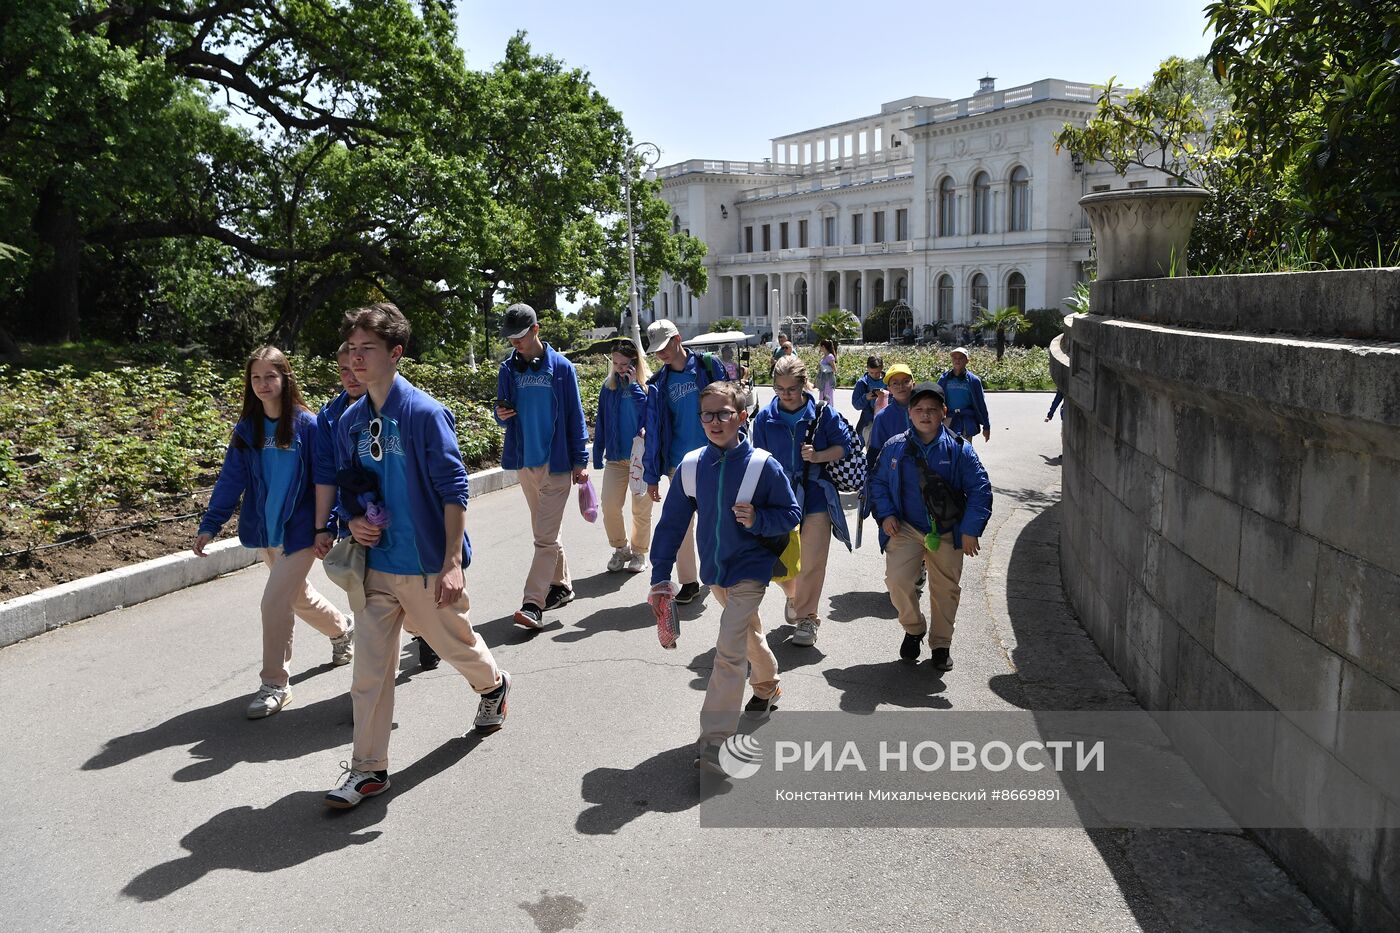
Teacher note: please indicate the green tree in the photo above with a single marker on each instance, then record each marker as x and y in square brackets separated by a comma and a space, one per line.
[726, 323]
[1001, 321]
[837, 324]
[1316, 88]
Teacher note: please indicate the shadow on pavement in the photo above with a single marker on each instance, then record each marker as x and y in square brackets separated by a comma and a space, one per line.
[504, 631]
[860, 604]
[616, 619]
[287, 832]
[665, 783]
[600, 584]
[866, 687]
[221, 735]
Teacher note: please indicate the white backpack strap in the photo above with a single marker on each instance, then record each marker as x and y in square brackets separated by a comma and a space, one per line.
[689, 463]
[752, 471]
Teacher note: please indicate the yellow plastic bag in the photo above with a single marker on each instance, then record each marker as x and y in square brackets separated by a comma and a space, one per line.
[789, 563]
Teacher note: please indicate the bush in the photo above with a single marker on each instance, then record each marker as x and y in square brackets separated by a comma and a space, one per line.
[1045, 327]
[876, 328]
[1021, 369]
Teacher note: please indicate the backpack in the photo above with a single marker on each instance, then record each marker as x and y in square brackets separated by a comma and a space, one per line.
[945, 504]
[786, 547]
[847, 474]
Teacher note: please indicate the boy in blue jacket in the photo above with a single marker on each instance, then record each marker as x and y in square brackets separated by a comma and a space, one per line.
[673, 426]
[910, 538]
[894, 417]
[967, 405]
[866, 395]
[537, 399]
[413, 568]
[735, 505]
[350, 391]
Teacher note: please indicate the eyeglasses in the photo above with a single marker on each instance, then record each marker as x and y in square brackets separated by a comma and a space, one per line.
[376, 445]
[723, 415]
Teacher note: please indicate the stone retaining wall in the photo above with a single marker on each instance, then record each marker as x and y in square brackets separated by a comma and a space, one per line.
[1231, 533]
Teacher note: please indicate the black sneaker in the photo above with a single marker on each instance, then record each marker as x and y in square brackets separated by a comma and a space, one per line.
[529, 616]
[687, 593]
[909, 648]
[941, 659]
[559, 594]
[428, 659]
[759, 707]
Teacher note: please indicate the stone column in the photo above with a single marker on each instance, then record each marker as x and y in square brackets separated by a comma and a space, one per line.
[867, 292]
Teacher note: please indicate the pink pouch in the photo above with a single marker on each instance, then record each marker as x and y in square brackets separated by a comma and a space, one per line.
[588, 500]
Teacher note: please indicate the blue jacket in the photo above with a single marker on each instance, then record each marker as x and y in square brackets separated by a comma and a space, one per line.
[241, 479]
[432, 462]
[862, 404]
[772, 433]
[607, 425]
[967, 421]
[892, 420]
[894, 486]
[324, 466]
[729, 552]
[569, 448]
[707, 369]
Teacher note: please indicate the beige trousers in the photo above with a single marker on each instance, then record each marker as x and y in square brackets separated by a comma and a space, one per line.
[615, 495]
[805, 590]
[547, 495]
[902, 557]
[287, 595]
[390, 598]
[740, 649]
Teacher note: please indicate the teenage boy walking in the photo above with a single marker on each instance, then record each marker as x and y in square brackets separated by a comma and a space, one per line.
[673, 425]
[735, 508]
[408, 440]
[537, 399]
[324, 467]
[900, 490]
[967, 405]
[894, 417]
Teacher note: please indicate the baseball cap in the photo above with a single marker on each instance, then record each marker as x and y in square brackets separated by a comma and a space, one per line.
[927, 388]
[659, 333]
[517, 321]
[897, 369]
[962, 350]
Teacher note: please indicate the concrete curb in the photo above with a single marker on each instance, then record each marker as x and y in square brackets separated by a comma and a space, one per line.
[48, 609]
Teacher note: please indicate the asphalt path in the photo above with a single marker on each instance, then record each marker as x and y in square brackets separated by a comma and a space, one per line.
[139, 798]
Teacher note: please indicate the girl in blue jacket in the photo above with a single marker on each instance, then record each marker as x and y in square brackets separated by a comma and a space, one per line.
[619, 424]
[268, 476]
[782, 429]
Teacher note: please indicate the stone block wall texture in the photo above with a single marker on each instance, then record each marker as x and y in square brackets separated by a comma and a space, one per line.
[1231, 534]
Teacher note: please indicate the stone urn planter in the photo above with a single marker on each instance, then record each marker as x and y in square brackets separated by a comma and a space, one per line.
[1141, 233]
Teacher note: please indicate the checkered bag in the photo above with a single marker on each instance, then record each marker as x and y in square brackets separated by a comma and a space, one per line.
[848, 473]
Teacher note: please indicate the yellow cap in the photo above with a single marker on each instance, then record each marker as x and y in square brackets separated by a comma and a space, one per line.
[897, 369]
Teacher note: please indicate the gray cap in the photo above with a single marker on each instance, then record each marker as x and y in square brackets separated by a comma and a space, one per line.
[660, 333]
[518, 320]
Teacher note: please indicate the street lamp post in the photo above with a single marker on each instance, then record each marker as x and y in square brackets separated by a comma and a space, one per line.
[649, 154]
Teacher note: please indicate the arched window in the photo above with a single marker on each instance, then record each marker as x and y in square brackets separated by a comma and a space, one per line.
[945, 297]
[982, 203]
[1019, 213]
[676, 224]
[680, 304]
[665, 306]
[947, 208]
[831, 293]
[879, 291]
[902, 289]
[1016, 291]
[977, 296]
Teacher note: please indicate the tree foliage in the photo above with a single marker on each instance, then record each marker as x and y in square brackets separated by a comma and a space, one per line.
[180, 164]
[837, 324]
[1000, 322]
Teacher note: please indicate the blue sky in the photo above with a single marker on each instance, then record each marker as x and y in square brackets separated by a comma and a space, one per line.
[717, 79]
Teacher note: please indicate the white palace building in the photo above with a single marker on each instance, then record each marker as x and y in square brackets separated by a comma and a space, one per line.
[952, 205]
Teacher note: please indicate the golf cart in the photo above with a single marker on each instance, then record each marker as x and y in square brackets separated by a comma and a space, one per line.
[732, 349]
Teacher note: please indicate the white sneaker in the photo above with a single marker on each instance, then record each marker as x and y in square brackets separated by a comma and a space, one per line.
[618, 559]
[356, 787]
[789, 613]
[343, 647]
[806, 633]
[491, 711]
[637, 563]
[269, 700]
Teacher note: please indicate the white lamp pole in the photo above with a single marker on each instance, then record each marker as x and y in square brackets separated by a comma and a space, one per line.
[649, 154]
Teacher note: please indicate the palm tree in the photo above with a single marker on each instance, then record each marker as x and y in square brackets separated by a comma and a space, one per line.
[837, 324]
[1003, 320]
